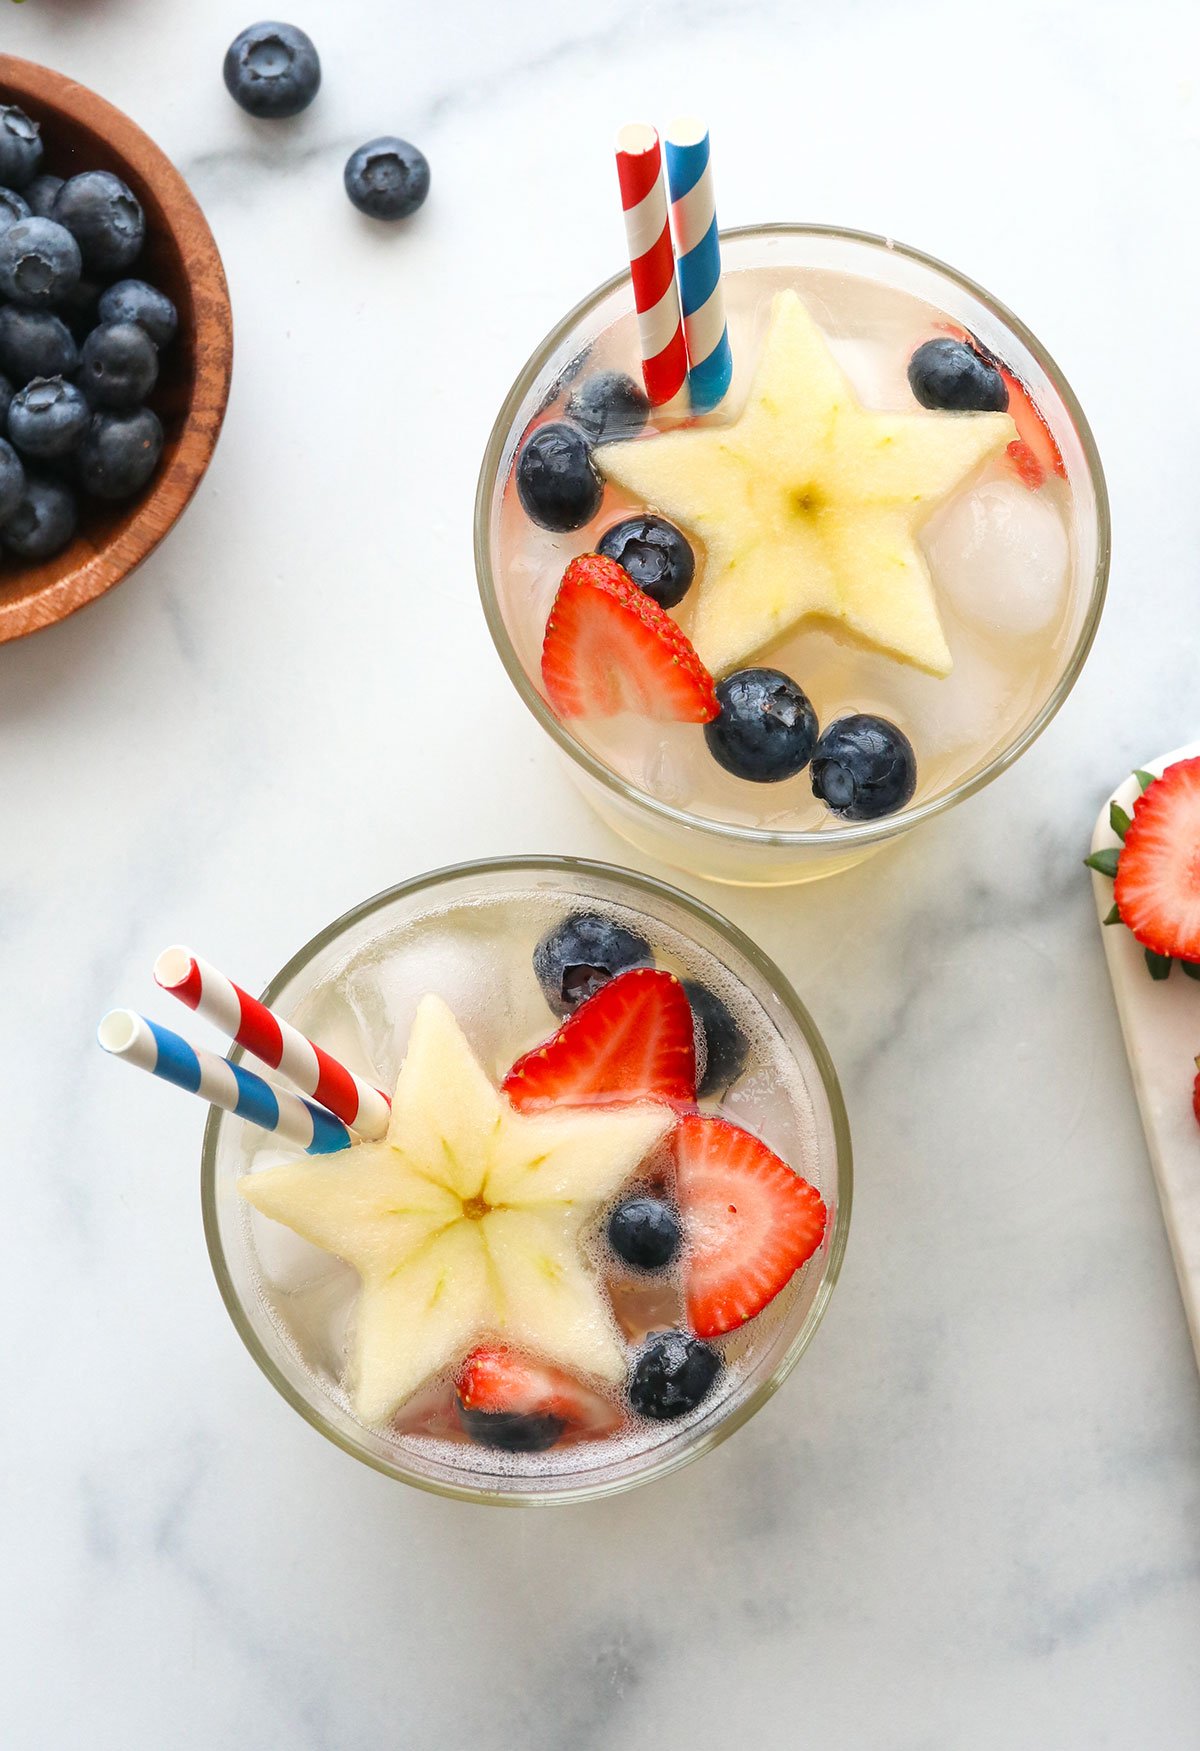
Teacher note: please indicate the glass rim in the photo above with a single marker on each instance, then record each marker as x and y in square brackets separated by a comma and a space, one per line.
[722, 1427]
[851, 833]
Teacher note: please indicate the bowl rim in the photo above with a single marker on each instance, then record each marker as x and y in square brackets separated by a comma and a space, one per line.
[157, 511]
[858, 834]
[527, 867]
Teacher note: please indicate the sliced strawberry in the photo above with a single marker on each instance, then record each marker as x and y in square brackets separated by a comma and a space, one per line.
[633, 1040]
[509, 1400]
[749, 1222]
[1196, 1093]
[1034, 453]
[1157, 886]
[610, 648]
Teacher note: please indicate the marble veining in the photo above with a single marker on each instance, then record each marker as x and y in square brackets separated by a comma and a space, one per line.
[972, 1518]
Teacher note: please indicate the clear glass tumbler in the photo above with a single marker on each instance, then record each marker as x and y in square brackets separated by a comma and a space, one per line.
[730, 851]
[300, 1365]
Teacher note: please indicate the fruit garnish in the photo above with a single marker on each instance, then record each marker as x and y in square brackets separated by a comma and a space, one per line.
[465, 1223]
[952, 375]
[656, 555]
[582, 952]
[726, 1047]
[749, 1222]
[1196, 1092]
[809, 505]
[511, 1401]
[673, 1374]
[557, 485]
[1107, 862]
[863, 767]
[767, 729]
[644, 1233]
[610, 648]
[632, 1041]
[1157, 884]
[1033, 452]
[608, 405]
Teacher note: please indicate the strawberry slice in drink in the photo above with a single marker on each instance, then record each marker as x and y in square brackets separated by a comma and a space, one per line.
[1157, 885]
[512, 1401]
[634, 1039]
[1033, 453]
[749, 1222]
[610, 648]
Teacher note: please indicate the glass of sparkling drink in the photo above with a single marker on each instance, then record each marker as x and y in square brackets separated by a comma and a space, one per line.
[610, 1210]
[838, 604]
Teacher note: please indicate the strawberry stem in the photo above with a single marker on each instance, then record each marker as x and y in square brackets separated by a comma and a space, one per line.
[1105, 862]
[1145, 779]
[1158, 966]
[1118, 820]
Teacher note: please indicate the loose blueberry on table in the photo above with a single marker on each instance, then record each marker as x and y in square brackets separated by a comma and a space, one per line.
[272, 70]
[79, 345]
[387, 178]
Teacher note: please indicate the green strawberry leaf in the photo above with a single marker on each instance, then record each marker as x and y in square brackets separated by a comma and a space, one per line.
[1158, 966]
[1118, 820]
[1191, 968]
[1113, 916]
[1145, 779]
[1105, 862]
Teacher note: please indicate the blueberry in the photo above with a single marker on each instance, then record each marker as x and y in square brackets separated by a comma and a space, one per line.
[105, 218]
[609, 405]
[6, 395]
[20, 147]
[48, 418]
[12, 480]
[12, 208]
[672, 1375]
[118, 365]
[864, 767]
[948, 374]
[120, 452]
[35, 343]
[583, 952]
[645, 1233]
[556, 482]
[387, 178]
[656, 555]
[135, 301]
[41, 193]
[726, 1046]
[44, 521]
[272, 70]
[767, 729]
[79, 308]
[511, 1431]
[39, 263]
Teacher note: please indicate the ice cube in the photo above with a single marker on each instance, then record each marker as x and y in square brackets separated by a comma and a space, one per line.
[878, 372]
[1000, 558]
[287, 1261]
[319, 1318]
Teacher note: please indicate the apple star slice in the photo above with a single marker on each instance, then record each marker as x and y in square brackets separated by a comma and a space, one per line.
[809, 505]
[465, 1224]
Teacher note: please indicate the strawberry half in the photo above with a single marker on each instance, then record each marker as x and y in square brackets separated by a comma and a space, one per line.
[1157, 885]
[511, 1401]
[1034, 453]
[632, 1040]
[610, 648]
[749, 1222]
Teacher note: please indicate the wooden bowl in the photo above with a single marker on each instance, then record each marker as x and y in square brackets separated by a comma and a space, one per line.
[82, 132]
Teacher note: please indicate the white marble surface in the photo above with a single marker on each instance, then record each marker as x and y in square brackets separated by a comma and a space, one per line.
[973, 1517]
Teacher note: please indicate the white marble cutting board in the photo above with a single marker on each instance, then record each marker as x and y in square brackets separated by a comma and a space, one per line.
[1160, 1020]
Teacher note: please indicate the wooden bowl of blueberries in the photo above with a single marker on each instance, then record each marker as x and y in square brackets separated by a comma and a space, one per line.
[116, 346]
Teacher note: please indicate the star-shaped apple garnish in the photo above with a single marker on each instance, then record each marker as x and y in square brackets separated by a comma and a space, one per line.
[808, 506]
[465, 1224]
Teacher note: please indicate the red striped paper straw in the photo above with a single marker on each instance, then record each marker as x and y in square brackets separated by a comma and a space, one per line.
[651, 262]
[276, 1042]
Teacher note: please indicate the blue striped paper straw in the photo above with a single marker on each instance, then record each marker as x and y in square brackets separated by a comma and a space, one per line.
[698, 253]
[143, 1042]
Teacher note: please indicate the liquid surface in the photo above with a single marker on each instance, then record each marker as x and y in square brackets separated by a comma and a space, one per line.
[1000, 556]
[478, 958]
